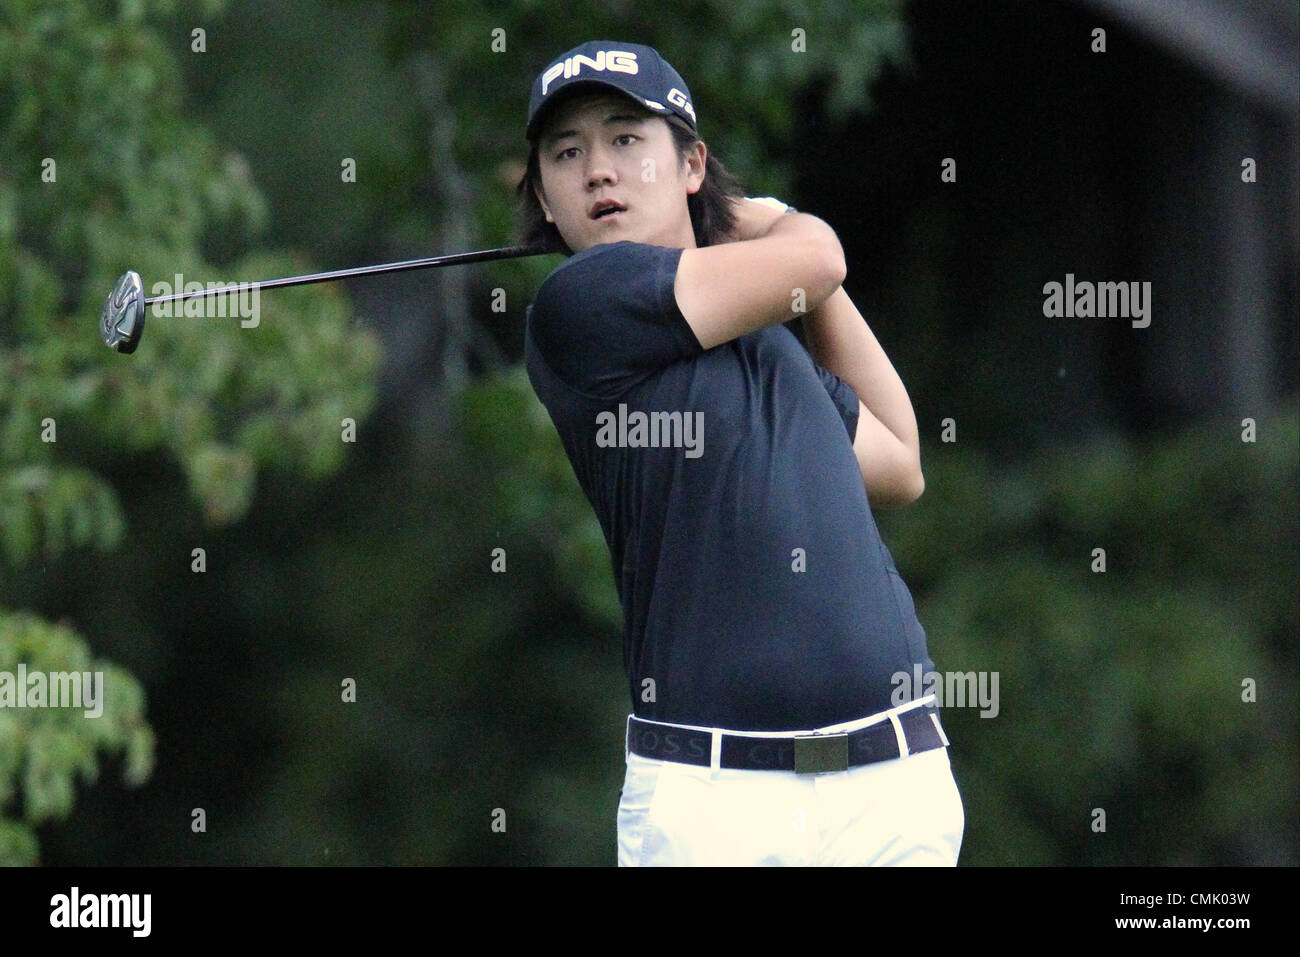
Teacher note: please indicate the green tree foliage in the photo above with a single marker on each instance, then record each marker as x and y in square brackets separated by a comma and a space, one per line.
[44, 750]
[100, 171]
[1120, 690]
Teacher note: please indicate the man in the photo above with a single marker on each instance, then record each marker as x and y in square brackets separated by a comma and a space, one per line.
[763, 616]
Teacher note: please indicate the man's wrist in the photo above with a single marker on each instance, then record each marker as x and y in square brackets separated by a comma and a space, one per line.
[755, 216]
[771, 202]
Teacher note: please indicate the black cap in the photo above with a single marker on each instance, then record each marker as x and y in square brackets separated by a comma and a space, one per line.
[631, 68]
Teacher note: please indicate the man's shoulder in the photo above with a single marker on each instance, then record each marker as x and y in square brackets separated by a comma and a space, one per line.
[595, 261]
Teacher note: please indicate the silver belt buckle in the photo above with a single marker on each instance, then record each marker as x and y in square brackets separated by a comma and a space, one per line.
[821, 753]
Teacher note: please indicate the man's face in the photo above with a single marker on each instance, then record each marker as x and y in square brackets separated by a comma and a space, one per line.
[599, 147]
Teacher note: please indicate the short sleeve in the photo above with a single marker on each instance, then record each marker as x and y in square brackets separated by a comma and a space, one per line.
[844, 397]
[607, 318]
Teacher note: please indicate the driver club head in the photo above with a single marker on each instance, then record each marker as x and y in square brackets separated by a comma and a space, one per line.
[122, 322]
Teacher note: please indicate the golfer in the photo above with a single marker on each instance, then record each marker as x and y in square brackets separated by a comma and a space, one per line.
[733, 475]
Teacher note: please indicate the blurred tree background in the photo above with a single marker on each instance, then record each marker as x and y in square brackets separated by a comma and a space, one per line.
[219, 155]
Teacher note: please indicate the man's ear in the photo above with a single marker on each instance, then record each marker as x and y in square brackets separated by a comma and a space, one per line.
[541, 198]
[696, 161]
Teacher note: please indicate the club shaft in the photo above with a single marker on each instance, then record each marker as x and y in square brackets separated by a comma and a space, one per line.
[451, 259]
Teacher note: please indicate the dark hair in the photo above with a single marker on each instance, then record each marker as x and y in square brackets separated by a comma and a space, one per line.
[712, 217]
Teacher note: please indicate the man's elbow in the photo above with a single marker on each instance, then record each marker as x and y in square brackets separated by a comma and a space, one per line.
[903, 491]
[834, 268]
[918, 487]
[915, 487]
[829, 266]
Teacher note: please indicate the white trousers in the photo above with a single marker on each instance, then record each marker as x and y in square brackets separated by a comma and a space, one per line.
[904, 812]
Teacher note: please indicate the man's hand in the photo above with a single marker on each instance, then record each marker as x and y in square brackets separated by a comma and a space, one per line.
[754, 217]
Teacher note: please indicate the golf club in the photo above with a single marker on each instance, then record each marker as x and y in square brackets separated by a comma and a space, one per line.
[121, 323]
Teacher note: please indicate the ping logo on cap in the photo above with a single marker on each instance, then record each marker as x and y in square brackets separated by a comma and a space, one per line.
[678, 98]
[619, 61]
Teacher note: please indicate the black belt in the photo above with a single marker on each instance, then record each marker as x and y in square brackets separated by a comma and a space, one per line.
[804, 753]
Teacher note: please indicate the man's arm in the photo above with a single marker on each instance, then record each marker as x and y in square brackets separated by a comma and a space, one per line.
[732, 289]
[887, 445]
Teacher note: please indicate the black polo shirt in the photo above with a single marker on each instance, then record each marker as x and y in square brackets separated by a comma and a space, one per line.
[757, 594]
